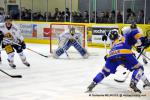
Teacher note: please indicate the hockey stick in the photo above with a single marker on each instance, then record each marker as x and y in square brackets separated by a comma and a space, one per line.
[37, 53]
[105, 45]
[26, 48]
[12, 76]
[146, 56]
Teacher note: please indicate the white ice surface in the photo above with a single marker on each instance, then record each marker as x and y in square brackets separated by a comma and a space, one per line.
[61, 79]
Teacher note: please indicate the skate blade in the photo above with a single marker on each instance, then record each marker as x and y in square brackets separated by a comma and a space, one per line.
[87, 91]
[131, 90]
[146, 88]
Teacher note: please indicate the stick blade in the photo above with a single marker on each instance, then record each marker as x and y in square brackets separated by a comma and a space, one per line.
[120, 81]
[16, 76]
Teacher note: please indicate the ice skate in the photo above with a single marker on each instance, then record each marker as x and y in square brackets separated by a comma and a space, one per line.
[55, 55]
[11, 64]
[134, 88]
[26, 63]
[86, 56]
[146, 84]
[91, 86]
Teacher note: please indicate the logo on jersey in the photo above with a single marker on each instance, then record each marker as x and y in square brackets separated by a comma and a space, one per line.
[8, 36]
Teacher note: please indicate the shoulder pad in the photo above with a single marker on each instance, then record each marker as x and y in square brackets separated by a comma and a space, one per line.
[14, 28]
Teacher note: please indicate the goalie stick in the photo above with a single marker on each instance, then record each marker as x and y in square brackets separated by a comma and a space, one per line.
[12, 76]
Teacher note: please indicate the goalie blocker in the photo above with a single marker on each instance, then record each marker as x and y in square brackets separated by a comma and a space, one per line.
[68, 39]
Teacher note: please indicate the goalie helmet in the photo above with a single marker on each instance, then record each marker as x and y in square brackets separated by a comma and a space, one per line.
[113, 34]
[72, 30]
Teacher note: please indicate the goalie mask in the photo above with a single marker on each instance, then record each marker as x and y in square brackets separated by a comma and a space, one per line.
[113, 35]
[72, 30]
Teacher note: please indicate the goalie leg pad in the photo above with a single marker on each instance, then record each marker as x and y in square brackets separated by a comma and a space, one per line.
[62, 49]
[59, 51]
[81, 50]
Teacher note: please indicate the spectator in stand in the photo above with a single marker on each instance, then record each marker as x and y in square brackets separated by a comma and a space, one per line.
[119, 17]
[48, 16]
[2, 17]
[40, 17]
[56, 13]
[148, 20]
[75, 16]
[67, 14]
[129, 11]
[93, 17]
[59, 17]
[132, 18]
[106, 15]
[85, 18]
[102, 18]
[111, 18]
[140, 17]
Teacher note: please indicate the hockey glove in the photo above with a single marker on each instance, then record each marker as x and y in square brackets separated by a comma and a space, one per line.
[106, 56]
[23, 45]
[145, 42]
[139, 49]
[104, 38]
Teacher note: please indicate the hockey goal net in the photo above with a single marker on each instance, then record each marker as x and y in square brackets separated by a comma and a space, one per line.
[58, 28]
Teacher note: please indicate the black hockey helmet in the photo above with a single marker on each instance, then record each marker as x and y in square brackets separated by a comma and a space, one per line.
[113, 34]
[133, 25]
[8, 18]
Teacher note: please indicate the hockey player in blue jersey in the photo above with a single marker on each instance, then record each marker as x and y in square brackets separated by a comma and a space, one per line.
[70, 38]
[127, 29]
[121, 54]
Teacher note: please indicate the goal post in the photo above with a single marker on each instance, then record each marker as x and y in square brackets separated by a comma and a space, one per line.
[57, 29]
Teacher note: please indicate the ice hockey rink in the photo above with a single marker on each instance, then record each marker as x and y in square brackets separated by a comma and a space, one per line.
[62, 79]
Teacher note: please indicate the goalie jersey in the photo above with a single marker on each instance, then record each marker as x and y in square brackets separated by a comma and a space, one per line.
[66, 36]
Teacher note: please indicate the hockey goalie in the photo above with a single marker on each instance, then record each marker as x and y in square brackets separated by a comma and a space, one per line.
[69, 38]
